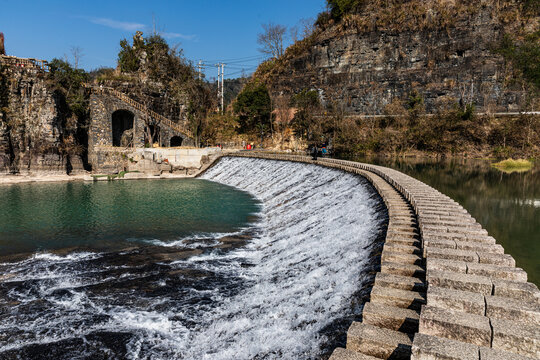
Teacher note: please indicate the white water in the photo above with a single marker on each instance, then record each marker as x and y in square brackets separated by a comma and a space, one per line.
[271, 299]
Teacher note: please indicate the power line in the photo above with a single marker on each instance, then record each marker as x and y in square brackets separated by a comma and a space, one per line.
[237, 59]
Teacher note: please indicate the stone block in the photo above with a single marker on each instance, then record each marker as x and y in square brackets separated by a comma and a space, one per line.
[399, 282]
[402, 269]
[399, 248]
[452, 254]
[399, 298]
[345, 354]
[426, 347]
[390, 317]
[496, 271]
[496, 259]
[516, 337]
[458, 281]
[439, 243]
[381, 343]
[479, 247]
[399, 257]
[512, 309]
[404, 240]
[493, 354]
[516, 289]
[433, 264]
[470, 328]
[456, 300]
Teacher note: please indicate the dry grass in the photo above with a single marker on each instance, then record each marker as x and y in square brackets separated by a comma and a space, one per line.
[511, 165]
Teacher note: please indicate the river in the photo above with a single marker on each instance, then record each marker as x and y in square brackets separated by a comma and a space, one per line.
[259, 260]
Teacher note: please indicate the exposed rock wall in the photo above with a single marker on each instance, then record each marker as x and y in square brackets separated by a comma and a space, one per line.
[32, 126]
[364, 70]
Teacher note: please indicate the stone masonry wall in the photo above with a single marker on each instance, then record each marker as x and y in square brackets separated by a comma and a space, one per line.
[100, 136]
[446, 289]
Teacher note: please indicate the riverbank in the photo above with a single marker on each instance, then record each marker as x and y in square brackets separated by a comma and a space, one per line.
[40, 178]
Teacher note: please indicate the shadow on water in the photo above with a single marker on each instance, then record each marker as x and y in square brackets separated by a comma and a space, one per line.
[506, 204]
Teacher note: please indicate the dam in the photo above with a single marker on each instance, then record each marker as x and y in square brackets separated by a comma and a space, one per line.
[326, 259]
[445, 289]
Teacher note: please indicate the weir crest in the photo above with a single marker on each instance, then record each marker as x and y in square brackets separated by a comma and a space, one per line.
[446, 289]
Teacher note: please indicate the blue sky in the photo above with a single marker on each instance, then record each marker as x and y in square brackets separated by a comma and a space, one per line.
[210, 30]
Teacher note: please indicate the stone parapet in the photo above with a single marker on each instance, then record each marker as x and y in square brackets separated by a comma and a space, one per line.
[478, 304]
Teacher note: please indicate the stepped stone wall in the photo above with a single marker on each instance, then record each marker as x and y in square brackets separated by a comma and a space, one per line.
[445, 289]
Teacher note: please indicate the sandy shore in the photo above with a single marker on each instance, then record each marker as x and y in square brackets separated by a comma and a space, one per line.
[17, 179]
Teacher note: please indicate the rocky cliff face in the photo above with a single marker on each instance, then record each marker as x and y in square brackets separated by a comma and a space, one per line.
[33, 134]
[365, 63]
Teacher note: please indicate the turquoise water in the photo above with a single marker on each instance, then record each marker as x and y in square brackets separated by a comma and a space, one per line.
[507, 205]
[159, 269]
[107, 216]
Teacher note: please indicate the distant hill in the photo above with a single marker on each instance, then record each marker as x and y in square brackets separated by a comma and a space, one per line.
[372, 52]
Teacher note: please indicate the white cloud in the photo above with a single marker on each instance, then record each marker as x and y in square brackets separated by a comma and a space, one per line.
[122, 25]
[168, 35]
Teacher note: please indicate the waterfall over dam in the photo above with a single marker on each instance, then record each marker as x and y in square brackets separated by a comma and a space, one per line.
[288, 289]
[319, 227]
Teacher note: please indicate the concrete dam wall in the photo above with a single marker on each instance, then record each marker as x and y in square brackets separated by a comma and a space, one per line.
[444, 289]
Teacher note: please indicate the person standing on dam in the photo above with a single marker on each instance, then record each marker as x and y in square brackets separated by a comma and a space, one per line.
[314, 152]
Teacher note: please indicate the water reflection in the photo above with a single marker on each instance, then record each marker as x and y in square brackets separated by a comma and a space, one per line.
[506, 204]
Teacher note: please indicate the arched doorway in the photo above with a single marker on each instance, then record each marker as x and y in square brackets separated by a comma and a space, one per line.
[122, 128]
[176, 141]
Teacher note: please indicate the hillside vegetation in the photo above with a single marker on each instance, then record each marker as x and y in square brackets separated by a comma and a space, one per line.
[494, 47]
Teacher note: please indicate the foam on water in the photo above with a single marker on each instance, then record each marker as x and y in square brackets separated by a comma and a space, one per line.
[281, 296]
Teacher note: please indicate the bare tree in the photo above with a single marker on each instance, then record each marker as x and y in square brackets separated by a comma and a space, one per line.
[293, 31]
[307, 26]
[271, 39]
[77, 54]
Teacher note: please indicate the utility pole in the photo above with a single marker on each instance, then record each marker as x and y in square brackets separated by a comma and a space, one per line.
[218, 82]
[222, 88]
[200, 69]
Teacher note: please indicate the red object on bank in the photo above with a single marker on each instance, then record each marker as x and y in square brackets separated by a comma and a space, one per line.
[248, 146]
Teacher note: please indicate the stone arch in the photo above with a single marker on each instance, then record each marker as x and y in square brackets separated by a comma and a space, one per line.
[176, 141]
[122, 127]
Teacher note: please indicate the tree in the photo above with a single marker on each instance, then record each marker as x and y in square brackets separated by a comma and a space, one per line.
[253, 105]
[304, 123]
[77, 54]
[340, 8]
[221, 128]
[271, 39]
[70, 82]
[201, 100]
